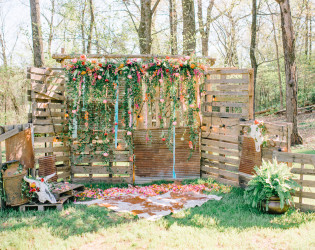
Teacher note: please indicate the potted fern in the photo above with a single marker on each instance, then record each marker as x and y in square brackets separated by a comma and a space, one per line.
[271, 187]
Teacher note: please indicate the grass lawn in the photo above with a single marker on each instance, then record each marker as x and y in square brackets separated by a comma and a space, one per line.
[228, 223]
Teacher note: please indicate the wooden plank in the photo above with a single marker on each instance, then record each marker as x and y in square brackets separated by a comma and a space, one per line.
[213, 143]
[227, 104]
[220, 165]
[303, 194]
[48, 139]
[219, 114]
[102, 179]
[295, 157]
[50, 129]
[223, 138]
[101, 169]
[227, 93]
[239, 80]
[99, 158]
[243, 87]
[219, 150]
[305, 183]
[9, 134]
[220, 158]
[48, 114]
[226, 71]
[303, 171]
[51, 150]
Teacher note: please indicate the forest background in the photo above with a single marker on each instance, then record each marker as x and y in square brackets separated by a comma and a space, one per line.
[219, 28]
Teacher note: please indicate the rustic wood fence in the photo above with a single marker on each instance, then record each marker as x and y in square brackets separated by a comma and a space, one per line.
[303, 167]
[228, 100]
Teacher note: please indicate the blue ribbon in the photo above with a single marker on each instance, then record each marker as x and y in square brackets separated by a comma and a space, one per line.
[174, 174]
[116, 114]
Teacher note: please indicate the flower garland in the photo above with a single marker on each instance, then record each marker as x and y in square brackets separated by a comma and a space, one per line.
[93, 88]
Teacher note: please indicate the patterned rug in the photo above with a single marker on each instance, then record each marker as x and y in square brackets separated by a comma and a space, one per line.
[151, 207]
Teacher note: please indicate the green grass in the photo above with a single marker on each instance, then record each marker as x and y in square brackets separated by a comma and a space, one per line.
[228, 223]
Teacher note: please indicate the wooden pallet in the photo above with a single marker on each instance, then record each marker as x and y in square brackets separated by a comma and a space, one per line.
[43, 207]
[72, 189]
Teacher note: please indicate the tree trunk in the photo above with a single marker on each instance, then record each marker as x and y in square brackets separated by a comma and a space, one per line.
[4, 55]
[145, 27]
[173, 26]
[51, 27]
[288, 39]
[82, 27]
[306, 38]
[253, 45]
[37, 34]
[277, 56]
[189, 27]
[89, 45]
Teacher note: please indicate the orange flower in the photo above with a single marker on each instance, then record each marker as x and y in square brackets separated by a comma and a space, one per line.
[33, 185]
[192, 66]
[83, 73]
[94, 61]
[121, 65]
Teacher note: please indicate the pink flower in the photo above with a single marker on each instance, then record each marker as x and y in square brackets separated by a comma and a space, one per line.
[191, 105]
[74, 60]
[99, 77]
[174, 123]
[129, 76]
[161, 80]
[135, 59]
[161, 100]
[128, 61]
[105, 154]
[74, 111]
[187, 57]
[83, 57]
[129, 133]
[104, 101]
[176, 74]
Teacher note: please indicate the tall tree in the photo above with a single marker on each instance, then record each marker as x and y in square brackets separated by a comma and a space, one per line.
[253, 44]
[204, 27]
[189, 27]
[37, 34]
[144, 30]
[89, 45]
[288, 39]
[83, 26]
[173, 26]
[277, 56]
[3, 51]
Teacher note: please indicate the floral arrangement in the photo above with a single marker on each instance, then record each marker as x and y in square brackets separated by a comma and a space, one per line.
[94, 90]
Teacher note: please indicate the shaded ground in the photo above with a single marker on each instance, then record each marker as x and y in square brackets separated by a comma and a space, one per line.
[306, 128]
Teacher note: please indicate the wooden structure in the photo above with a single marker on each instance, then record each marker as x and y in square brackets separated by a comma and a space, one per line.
[228, 99]
[304, 170]
[48, 101]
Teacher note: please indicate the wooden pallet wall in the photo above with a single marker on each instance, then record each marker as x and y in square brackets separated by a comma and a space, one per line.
[155, 160]
[228, 99]
[48, 103]
[304, 170]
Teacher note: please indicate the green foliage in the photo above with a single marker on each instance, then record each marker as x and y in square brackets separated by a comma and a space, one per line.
[271, 179]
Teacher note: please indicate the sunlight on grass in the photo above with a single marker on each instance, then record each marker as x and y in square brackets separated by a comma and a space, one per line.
[227, 223]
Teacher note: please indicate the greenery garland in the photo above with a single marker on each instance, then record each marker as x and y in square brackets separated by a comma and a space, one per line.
[92, 88]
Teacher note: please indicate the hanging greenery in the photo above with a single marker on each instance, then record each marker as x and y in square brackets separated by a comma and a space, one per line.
[94, 88]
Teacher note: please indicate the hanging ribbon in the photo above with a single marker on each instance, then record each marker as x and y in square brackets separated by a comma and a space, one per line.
[174, 174]
[116, 112]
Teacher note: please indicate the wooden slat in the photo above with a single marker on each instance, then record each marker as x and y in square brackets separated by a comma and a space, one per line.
[101, 170]
[309, 195]
[224, 138]
[50, 129]
[227, 71]
[220, 158]
[303, 171]
[220, 165]
[227, 93]
[99, 158]
[240, 80]
[295, 157]
[101, 179]
[221, 180]
[9, 134]
[51, 150]
[219, 150]
[227, 104]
